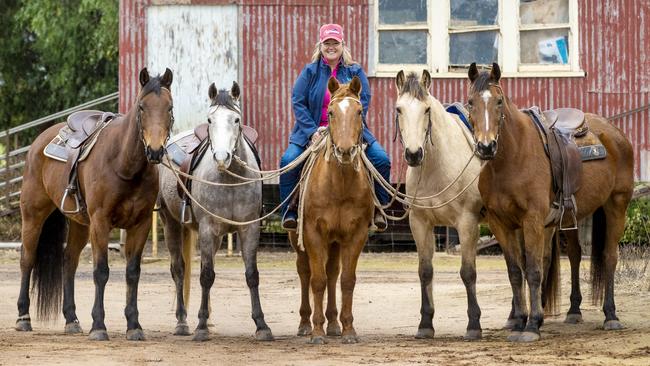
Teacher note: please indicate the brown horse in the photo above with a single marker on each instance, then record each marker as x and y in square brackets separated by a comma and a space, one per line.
[516, 188]
[119, 185]
[338, 209]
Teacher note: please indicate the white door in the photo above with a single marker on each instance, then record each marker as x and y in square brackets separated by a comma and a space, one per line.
[199, 44]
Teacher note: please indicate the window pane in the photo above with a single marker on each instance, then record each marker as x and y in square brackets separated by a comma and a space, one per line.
[545, 46]
[402, 11]
[403, 47]
[474, 12]
[544, 11]
[479, 47]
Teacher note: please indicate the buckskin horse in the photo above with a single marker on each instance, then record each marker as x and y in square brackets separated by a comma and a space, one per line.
[516, 185]
[118, 183]
[338, 209]
[437, 147]
[223, 142]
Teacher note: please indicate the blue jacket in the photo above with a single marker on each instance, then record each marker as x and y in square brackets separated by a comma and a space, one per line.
[309, 91]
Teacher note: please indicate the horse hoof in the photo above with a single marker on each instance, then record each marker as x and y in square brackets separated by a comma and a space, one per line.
[264, 335]
[528, 337]
[350, 339]
[317, 340]
[24, 326]
[304, 330]
[514, 336]
[98, 335]
[425, 333]
[573, 318]
[333, 330]
[201, 335]
[182, 330]
[613, 325]
[473, 335]
[135, 335]
[73, 328]
[510, 324]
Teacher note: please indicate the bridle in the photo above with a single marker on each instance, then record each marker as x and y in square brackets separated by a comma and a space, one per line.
[427, 134]
[355, 148]
[234, 108]
[501, 117]
[138, 121]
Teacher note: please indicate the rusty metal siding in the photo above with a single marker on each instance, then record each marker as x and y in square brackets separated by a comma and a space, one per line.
[277, 37]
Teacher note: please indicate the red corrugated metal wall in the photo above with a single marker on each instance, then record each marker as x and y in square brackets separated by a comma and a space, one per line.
[278, 37]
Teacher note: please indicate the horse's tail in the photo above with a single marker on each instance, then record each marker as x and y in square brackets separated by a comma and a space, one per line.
[598, 233]
[551, 290]
[48, 266]
[189, 241]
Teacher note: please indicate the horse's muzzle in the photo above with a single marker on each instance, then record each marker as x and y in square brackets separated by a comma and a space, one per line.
[414, 158]
[223, 159]
[486, 151]
[154, 156]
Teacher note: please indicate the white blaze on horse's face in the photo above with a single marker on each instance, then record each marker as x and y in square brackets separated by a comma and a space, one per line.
[224, 130]
[486, 95]
[413, 122]
[485, 113]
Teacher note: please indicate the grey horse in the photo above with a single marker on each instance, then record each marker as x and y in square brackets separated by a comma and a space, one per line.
[238, 203]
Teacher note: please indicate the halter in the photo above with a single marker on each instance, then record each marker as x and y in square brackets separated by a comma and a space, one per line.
[138, 121]
[355, 148]
[501, 117]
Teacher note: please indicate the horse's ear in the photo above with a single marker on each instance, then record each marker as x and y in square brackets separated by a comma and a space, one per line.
[144, 76]
[166, 80]
[495, 74]
[355, 85]
[473, 72]
[332, 85]
[212, 91]
[399, 80]
[234, 91]
[425, 80]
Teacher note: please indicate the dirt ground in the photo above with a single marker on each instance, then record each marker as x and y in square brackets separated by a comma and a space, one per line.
[386, 311]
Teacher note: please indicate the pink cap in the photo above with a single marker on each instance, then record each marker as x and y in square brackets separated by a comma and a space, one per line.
[331, 31]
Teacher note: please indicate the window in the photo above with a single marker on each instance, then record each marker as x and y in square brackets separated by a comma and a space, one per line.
[526, 37]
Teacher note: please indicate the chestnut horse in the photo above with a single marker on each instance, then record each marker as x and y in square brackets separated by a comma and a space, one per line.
[338, 209]
[516, 187]
[119, 185]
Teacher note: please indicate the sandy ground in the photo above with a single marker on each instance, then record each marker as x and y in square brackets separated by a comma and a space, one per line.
[386, 311]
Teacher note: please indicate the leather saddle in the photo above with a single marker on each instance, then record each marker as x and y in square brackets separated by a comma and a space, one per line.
[564, 133]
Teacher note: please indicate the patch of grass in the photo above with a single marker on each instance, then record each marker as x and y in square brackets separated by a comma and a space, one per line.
[10, 228]
[633, 267]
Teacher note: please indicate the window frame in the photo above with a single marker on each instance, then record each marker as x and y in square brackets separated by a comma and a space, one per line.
[509, 28]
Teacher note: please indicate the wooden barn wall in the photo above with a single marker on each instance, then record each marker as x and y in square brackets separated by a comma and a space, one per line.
[277, 38]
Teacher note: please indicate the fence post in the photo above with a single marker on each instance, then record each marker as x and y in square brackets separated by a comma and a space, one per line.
[7, 175]
[154, 234]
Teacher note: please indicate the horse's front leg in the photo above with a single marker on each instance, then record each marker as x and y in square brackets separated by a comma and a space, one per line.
[207, 242]
[534, 246]
[350, 252]
[574, 252]
[333, 267]
[77, 240]
[99, 231]
[424, 242]
[248, 238]
[304, 273]
[317, 252]
[469, 233]
[136, 238]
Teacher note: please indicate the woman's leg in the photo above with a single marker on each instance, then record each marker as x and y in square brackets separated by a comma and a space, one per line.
[379, 159]
[288, 182]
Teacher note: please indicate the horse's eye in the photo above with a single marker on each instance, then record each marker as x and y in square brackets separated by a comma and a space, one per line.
[236, 120]
[398, 110]
[359, 113]
[426, 111]
[140, 107]
[209, 120]
[171, 109]
[499, 101]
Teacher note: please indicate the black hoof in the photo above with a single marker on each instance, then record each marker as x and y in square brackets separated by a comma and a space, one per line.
[98, 335]
[333, 330]
[182, 330]
[135, 335]
[350, 339]
[425, 333]
[264, 335]
[613, 325]
[473, 335]
[73, 328]
[201, 335]
[573, 318]
[317, 340]
[304, 330]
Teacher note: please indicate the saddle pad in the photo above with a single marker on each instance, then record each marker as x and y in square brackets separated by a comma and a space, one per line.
[458, 109]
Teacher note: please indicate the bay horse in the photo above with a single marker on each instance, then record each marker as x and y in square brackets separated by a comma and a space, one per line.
[437, 147]
[119, 185]
[338, 209]
[516, 187]
[238, 203]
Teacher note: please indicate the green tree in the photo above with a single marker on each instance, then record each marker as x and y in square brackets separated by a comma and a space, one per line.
[55, 54]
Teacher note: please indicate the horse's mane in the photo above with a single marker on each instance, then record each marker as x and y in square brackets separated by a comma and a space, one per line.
[482, 82]
[413, 87]
[153, 85]
[223, 98]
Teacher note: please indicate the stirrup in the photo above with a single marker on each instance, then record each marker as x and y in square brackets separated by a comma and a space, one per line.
[70, 190]
[186, 215]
